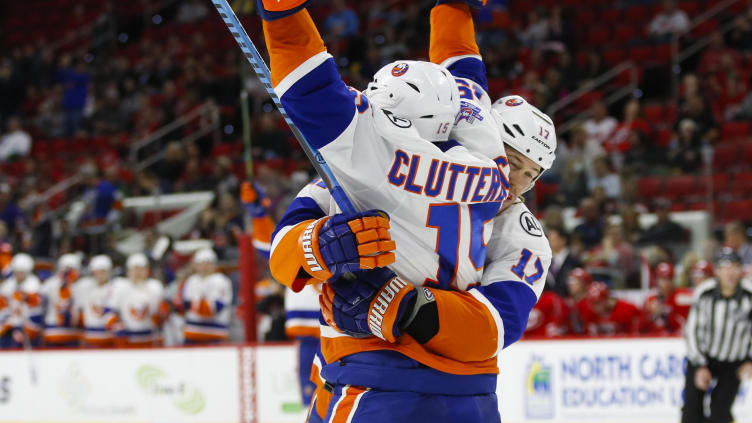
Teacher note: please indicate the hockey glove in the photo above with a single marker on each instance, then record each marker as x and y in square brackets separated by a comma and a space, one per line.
[270, 10]
[472, 3]
[254, 199]
[334, 245]
[376, 304]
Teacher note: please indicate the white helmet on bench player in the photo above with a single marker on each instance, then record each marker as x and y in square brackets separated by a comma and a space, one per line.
[419, 94]
[527, 130]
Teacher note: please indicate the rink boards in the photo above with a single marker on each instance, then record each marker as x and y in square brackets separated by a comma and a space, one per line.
[604, 380]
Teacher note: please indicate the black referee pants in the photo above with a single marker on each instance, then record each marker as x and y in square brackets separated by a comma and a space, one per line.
[721, 398]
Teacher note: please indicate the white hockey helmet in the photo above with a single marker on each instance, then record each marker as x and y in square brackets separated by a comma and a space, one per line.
[205, 255]
[22, 262]
[419, 94]
[100, 262]
[527, 130]
[136, 260]
[69, 261]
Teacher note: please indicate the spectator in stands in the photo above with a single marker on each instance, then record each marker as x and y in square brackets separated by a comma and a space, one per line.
[669, 21]
[537, 29]
[740, 37]
[16, 142]
[600, 125]
[10, 91]
[269, 141]
[684, 154]
[75, 79]
[603, 314]
[171, 167]
[664, 230]
[697, 111]
[342, 22]
[191, 11]
[620, 141]
[735, 237]
[711, 61]
[630, 224]
[591, 229]
[604, 177]
[223, 177]
[10, 212]
[615, 253]
[578, 165]
[562, 263]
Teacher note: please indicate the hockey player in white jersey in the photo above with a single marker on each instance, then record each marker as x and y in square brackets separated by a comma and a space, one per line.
[20, 304]
[206, 299]
[61, 327]
[389, 149]
[137, 307]
[90, 299]
[511, 295]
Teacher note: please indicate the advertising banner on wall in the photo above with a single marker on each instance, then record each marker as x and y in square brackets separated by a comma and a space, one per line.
[603, 380]
[617, 380]
[171, 385]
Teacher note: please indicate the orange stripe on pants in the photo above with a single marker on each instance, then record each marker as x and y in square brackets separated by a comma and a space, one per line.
[345, 407]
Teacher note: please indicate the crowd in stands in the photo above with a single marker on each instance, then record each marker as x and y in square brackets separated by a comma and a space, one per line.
[78, 108]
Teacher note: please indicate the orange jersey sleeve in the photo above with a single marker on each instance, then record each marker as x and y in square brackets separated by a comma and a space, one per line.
[286, 263]
[452, 32]
[291, 41]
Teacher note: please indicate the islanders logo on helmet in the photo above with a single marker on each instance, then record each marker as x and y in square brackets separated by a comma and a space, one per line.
[400, 69]
[514, 101]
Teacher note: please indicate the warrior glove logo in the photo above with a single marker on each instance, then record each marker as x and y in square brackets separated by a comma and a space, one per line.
[310, 258]
[381, 305]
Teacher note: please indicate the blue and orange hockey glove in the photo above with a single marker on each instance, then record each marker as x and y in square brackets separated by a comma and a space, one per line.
[254, 199]
[472, 3]
[334, 245]
[374, 304]
[270, 10]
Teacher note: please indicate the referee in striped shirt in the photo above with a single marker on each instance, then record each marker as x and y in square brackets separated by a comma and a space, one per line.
[718, 334]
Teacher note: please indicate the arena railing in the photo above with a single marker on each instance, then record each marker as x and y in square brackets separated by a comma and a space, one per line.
[590, 86]
[680, 55]
[206, 110]
[677, 55]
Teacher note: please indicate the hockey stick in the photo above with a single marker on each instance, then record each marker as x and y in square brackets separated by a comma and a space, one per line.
[262, 71]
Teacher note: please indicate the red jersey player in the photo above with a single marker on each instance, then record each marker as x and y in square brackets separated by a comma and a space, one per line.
[666, 310]
[549, 317]
[603, 315]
